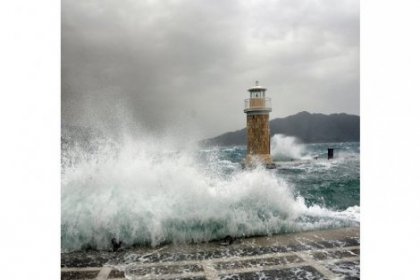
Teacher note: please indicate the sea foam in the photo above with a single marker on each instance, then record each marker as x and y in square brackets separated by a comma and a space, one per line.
[287, 148]
[146, 192]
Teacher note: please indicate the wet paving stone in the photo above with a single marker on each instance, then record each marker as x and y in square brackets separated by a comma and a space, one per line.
[335, 254]
[67, 275]
[86, 258]
[327, 244]
[246, 251]
[257, 262]
[296, 256]
[347, 270]
[116, 274]
[298, 273]
[198, 256]
[189, 278]
[161, 270]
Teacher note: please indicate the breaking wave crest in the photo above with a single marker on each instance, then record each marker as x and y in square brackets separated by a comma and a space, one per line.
[148, 193]
[287, 148]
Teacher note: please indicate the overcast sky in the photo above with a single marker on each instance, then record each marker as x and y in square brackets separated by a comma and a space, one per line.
[187, 64]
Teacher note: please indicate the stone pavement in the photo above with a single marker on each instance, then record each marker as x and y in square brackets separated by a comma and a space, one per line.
[327, 254]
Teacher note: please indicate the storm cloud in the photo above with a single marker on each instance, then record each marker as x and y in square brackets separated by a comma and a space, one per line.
[187, 64]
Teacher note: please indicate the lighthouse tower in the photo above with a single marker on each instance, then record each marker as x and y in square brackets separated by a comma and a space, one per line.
[257, 110]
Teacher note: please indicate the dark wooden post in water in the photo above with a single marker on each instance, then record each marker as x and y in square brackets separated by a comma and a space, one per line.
[330, 153]
[257, 110]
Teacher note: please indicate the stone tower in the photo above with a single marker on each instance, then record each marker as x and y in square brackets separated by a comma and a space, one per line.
[257, 109]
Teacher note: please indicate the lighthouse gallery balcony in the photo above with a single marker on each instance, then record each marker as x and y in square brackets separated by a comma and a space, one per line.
[257, 104]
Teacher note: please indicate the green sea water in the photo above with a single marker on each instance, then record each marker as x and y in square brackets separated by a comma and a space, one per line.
[334, 183]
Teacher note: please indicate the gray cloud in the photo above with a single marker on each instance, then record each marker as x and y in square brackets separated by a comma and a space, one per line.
[188, 64]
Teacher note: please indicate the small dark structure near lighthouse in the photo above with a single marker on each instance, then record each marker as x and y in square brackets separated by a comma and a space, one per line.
[330, 153]
[257, 110]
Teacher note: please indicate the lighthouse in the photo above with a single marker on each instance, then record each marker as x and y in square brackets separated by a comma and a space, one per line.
[257, 110]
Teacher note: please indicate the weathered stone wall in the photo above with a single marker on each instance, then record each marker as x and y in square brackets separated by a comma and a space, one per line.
[258, 134]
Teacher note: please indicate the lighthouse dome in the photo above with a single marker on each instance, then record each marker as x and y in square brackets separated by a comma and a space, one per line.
[257, 87]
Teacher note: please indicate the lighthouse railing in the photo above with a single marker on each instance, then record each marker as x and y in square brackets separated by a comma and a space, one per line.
[257, 103]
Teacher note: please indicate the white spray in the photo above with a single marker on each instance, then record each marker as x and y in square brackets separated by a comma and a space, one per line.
[144, 192]
[287, 148]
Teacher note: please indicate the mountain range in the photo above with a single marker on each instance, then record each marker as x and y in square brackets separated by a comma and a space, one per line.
[308, 127]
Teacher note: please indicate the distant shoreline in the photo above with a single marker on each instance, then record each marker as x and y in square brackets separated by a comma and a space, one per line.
[307, 127]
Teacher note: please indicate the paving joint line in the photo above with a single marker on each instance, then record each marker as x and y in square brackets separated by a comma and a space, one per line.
[346, 259]
[80, 269]
[210, 271]
[319, 267]
[104, 273]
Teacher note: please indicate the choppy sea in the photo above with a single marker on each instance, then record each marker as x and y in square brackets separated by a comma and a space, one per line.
[148, 192]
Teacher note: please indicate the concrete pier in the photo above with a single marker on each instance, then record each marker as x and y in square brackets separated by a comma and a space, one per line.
[325, 254]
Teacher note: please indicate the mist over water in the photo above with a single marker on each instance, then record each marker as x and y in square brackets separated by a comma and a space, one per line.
[150, 192]
[285, 147]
